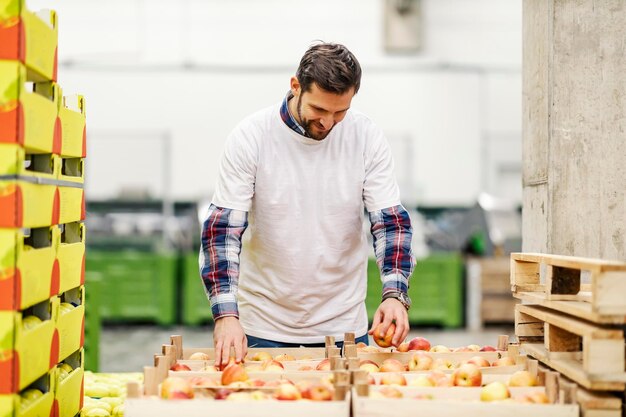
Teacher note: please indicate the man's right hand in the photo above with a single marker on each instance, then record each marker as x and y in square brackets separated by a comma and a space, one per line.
[226, 333]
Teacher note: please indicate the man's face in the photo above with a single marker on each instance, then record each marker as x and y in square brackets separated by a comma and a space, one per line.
[319, 111]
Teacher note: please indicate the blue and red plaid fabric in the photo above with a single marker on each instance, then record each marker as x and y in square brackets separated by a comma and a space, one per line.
[221, 246]
[288, 118]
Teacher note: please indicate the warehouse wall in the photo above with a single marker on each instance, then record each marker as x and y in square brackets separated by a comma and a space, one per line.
[574, 128]
[188, 71]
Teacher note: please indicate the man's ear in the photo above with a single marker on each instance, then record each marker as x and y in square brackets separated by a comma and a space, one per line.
[295, 86]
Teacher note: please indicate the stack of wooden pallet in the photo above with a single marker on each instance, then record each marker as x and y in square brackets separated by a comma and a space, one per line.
[572, 320]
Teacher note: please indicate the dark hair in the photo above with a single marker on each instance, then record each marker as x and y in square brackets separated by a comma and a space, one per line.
[331, 66]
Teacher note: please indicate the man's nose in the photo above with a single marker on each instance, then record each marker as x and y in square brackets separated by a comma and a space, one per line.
[327, 122]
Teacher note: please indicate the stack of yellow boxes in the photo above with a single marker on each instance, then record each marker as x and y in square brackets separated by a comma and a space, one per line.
[42, 235]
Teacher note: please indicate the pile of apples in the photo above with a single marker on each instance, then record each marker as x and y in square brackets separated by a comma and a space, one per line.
[422, 361]
[235, 377]
[105, 393]
[417, 343]
[259, 362]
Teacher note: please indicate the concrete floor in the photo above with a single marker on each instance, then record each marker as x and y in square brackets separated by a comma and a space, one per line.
[129, 348]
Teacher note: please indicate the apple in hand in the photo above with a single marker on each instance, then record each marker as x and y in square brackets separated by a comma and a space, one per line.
[467, 375]
[384, 339]
[234, 373]
[392, 378]
[479, 361]
[522, 379]
[420, 361]
[392, 365]
[176, 388]
[419, 343]
[179, 367]
[287, 392]
[495, 391]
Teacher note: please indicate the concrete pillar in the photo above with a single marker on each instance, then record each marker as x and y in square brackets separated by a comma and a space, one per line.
[574, 127]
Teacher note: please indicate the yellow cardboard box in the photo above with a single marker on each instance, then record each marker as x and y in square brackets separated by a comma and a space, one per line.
[37, 400]
[70, 388]
[29, 345]
[28, 118]
[71, 204]
[14, 160]
[29, 270]
[73, 127]
[28, 204]
[71, 256]
[71, 322]
[31, 38]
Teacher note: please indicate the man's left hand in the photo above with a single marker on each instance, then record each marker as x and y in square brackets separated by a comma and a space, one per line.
[389, 311]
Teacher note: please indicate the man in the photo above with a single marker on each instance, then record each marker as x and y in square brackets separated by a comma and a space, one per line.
[298, 176]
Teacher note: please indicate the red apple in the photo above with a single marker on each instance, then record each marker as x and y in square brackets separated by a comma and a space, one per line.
[467, 375]
[361, 345]
[419, 343]
[522, 379]
[200, 381]
[392, 378]
[223, 366]
[420, 361]
[440, 348]
[234, 373]
[368, 365]
[384, 339]
[421, 381]
[371, 380]
[278, 382]
[261, 356]
[504, 361]
[442, 364]
[479, 361]
[223, 393]
[199, 356]
[439, 379]
[287, 392]
[404, 347]
[495, 391]
[473, 348]
[487, 348]
[176, 388]
[273, 366]
[256, 382]
[179, 367]
[323, 365]
[318, 392]
[392, 365]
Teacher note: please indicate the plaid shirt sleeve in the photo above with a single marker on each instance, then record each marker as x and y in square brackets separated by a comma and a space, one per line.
[219, 258]
[392, 232]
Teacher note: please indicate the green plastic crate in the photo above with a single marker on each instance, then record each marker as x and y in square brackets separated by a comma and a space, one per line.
[436, 290]
[136, 286]
[195, 307]
[92, 321]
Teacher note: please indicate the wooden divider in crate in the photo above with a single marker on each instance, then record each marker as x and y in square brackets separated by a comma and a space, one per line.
[29, 345]
[28, 118]
[70, 385]
[551, 279]
[35, 400]
[589, 354]
[71, 321]
[71, 255]
[30, 38]
[28, 204]
[29, 271]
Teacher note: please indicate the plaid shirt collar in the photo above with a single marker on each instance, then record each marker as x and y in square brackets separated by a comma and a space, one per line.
[288, 118]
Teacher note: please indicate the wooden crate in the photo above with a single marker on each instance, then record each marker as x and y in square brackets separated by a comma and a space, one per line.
[592, 289]
[448, 402]
[588, 353]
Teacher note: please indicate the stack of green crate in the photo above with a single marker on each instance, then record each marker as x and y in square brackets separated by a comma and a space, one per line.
[195, 306]
[136, 286]
[436, 290]
[92, 321]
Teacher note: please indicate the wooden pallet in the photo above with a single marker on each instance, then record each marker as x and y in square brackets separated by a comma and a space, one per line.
[589, 354]
[596, 286]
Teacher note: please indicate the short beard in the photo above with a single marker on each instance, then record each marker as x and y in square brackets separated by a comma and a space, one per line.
[306, 124]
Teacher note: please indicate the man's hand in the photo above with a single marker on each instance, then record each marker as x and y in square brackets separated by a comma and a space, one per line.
[226, 333]
[389, 311]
